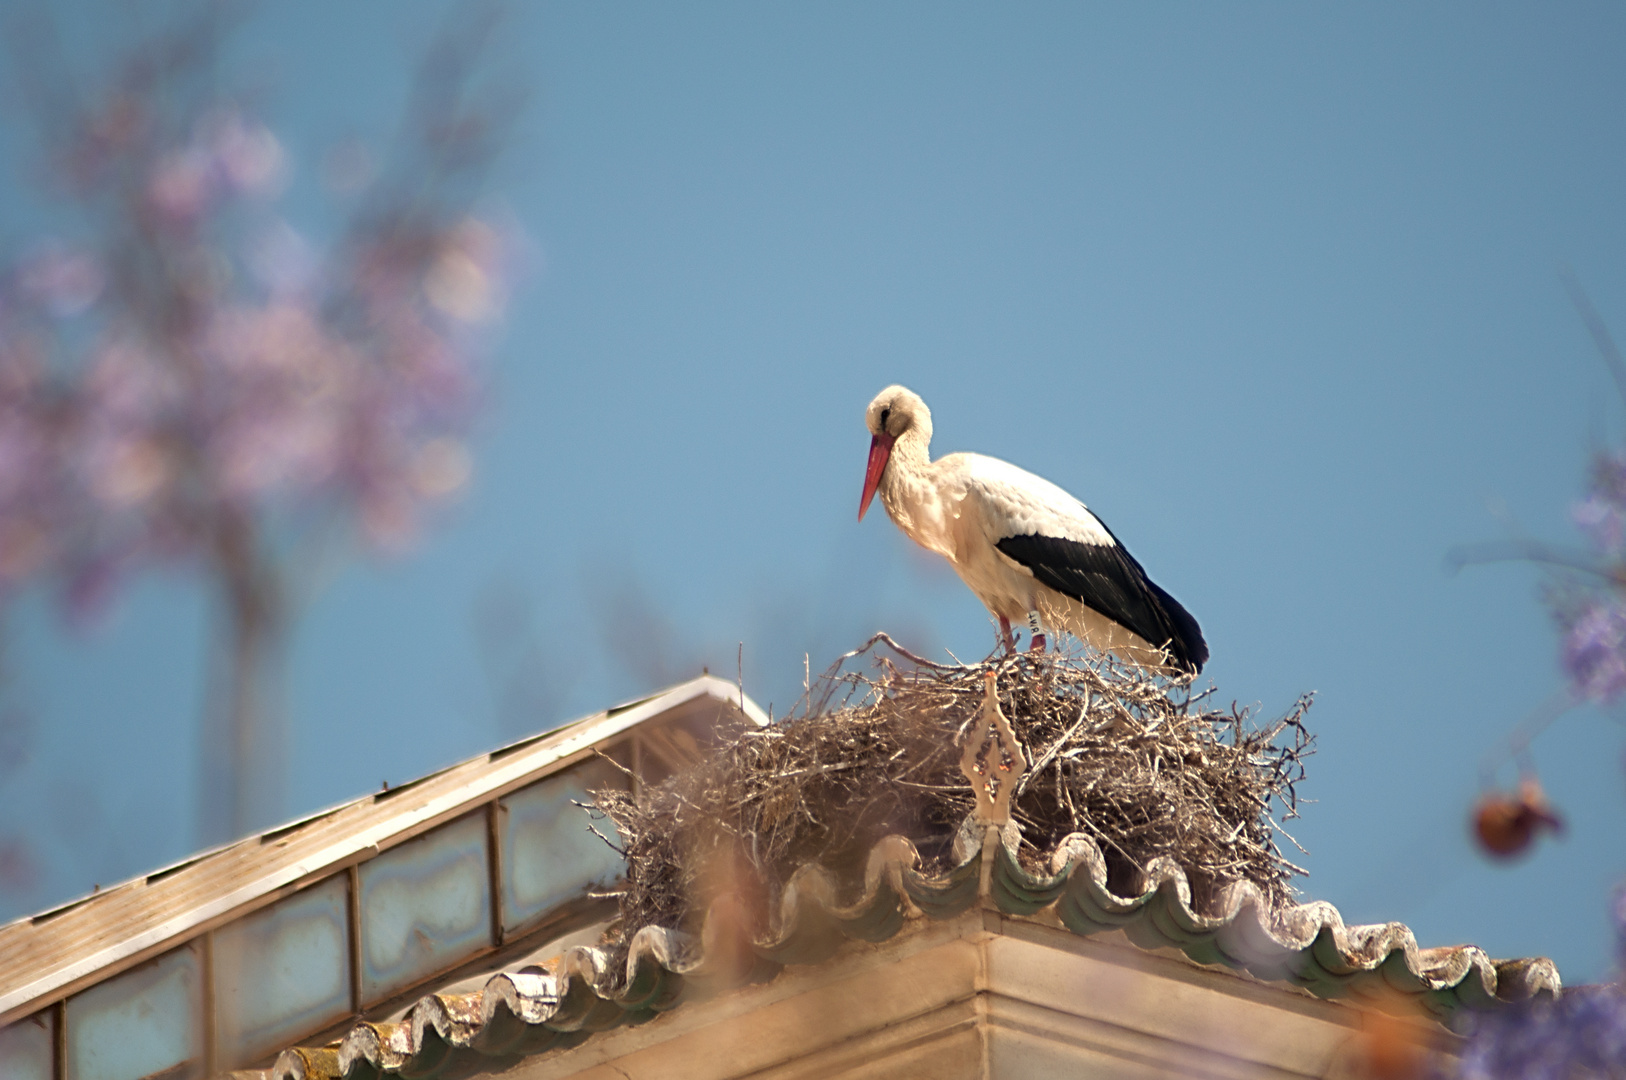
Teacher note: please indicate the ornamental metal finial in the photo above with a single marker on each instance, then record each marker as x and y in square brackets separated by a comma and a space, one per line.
[992, 761]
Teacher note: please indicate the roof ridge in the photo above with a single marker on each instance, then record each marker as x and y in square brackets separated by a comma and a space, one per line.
[1307, 945]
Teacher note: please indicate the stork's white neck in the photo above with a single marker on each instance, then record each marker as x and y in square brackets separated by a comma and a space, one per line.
[911, 494]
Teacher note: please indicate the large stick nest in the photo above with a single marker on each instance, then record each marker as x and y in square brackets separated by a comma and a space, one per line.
[1138, 762]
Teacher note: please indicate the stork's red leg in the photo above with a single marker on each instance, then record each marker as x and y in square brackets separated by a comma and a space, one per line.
[1037, 644]
[1005, 634]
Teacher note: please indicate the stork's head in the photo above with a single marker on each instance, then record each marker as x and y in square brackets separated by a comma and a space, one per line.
[896, 413]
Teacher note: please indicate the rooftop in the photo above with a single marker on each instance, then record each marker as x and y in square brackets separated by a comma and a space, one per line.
[450, 926]
[352, 907]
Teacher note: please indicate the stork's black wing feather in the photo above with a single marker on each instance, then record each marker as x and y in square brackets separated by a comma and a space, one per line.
[1108, 579]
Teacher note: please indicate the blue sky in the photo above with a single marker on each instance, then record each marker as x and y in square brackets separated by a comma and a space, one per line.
[1273, 288]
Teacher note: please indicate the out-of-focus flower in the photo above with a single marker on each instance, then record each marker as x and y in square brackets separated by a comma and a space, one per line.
[1602, 514]
[342, 383]
[134, 471]
[1582, 1033]
[63, 281]
[387, 519]
[1505, 824]
[250, 158]
[183, 186]
[1603, 522]
[228, 380]
[276, 400]
[1589, 603]
[441, 467]
[129, 383]
[230, 155]
[283, 262]
[463, 278]
[1594, 646]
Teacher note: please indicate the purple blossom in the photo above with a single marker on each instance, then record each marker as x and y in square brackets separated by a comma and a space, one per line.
[1604, 523]
[1581, 1033]
[1594, 646]
[1591, 607]
[1602, 514]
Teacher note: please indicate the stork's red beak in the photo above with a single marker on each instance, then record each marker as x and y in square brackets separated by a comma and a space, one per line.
[880, 448]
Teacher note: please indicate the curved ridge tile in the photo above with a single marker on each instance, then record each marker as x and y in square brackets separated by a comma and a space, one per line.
[1251, 938]
[810, 924]
[1019, 891]
[727, 955]
[381, 1047]
[528, 996]
[563, 1002]
[655, 958]
[1087, 905]
[512, 1008]
[1307, 944]
[454, 1018]
[808, 929]
[586, 997]
[1525, 978]
[306, 1063]
[882, 909]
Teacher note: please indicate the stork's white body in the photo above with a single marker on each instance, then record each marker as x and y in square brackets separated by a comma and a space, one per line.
[962, 505]
[965, 506]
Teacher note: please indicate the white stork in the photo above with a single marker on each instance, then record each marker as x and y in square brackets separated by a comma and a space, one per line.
[1027, 548]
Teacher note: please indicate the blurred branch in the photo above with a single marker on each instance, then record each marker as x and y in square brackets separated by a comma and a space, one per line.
[1523, 551]
[1594, 323]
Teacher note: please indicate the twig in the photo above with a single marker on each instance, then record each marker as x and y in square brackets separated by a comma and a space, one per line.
[1601, 337]
[1055, 747]
[826, 784]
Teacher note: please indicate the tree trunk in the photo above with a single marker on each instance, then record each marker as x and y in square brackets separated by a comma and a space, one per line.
[244, 756]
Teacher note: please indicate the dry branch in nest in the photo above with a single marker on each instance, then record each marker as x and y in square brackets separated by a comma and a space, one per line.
[1135, 761]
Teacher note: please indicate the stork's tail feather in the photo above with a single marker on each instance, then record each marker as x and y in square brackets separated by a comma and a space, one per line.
[1186, 646]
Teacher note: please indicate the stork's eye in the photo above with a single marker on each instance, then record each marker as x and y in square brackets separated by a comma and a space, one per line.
[886, 412]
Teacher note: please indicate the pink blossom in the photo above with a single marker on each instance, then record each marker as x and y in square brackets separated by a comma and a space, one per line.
[63, 281]
[249, 156]
[240, 371]
[183, 186]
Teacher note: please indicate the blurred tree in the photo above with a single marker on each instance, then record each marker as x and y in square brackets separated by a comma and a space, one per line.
[192, 382]
[1583, 1033]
